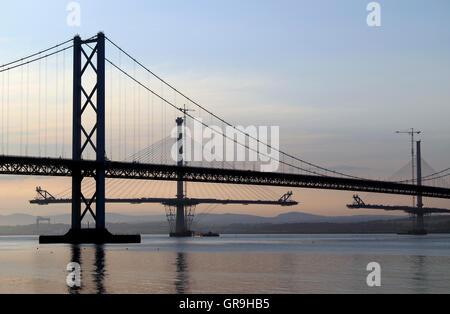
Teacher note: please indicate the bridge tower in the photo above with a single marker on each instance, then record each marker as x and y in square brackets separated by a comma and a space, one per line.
[181, 228]
[83, 138]
[419, 226]
[78, 147]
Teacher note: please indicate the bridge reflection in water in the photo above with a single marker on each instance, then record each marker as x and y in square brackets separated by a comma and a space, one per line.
[182, 277]
[95, 284]
[236, 264]
[95, 272]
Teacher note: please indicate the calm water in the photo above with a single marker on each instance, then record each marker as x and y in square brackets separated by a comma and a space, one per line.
[231, 264]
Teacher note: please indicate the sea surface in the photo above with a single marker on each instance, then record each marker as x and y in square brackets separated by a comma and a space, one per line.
[231, 264]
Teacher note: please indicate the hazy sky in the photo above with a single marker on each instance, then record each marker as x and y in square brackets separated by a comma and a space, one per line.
[338, 88]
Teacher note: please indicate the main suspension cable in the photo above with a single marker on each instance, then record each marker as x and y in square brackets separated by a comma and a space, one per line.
[36, 59]
[205, 125]
[229, 124]
[35, 54]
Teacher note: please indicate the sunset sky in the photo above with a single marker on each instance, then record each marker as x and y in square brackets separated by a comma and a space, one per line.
[337, 88]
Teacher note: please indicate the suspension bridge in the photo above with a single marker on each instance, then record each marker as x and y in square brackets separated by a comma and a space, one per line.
[88, 110]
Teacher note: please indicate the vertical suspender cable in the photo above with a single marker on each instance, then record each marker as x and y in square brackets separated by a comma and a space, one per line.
[3, 113]
[149, 107]
[45, 108]
[111, 113]
[165, 128]
[134, 111]
[119, 110]
[27, 111]
[39, 109]
[125, 120]
[139, 118]
[162, 122]
[21, 112]
[7, 117]
[56, 107]
[63, 104]
[153, 125]
[224, 146]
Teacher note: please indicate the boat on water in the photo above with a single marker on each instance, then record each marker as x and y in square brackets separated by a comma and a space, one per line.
[205, 235]
[189, 234]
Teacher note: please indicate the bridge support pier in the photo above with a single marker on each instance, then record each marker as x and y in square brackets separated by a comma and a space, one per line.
[418, 214]
[181, 228]
[419, 224]
[100, 234]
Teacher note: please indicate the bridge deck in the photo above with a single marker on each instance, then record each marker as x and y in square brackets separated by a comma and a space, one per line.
[29, 166]
[171, 201]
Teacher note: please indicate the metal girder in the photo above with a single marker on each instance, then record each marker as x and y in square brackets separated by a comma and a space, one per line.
[170, 201]
[359, 204]
[121, 170]
[406, 209]
[213, 175]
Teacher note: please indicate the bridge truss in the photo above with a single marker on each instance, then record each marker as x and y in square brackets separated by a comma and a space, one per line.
[30, 166]
[91, 137]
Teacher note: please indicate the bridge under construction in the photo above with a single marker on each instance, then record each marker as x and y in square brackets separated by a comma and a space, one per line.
[417, 212]
[88, 137]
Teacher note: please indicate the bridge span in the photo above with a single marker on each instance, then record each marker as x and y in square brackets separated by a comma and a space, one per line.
[30, 166]
[89, 111]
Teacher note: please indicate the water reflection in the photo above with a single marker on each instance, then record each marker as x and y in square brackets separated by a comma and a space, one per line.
[238, 265]
[182, 274]
[98, 270]
[419, 274]
[76, 258]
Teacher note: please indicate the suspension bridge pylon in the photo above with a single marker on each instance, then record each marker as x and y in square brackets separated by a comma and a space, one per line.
[100, 234]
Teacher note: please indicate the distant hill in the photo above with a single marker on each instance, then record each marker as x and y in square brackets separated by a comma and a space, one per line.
[293, 217]
[17, 220]
[435, 224]
[204, 219]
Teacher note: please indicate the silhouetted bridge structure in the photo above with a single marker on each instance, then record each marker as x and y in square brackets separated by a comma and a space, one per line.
[92, 136]
[120, 170]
